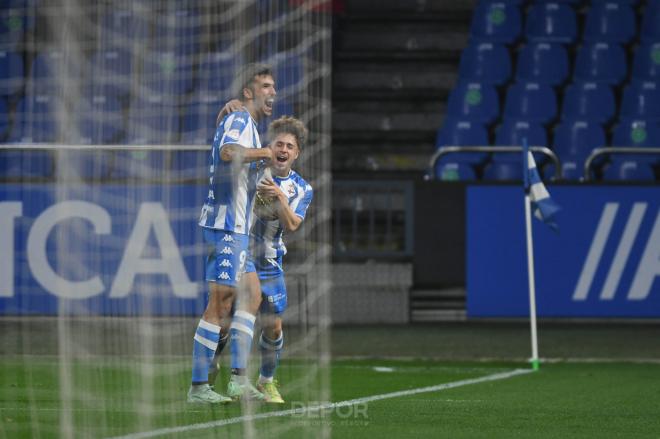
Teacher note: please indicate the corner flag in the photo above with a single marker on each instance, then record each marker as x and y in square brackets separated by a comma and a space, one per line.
[542, 205]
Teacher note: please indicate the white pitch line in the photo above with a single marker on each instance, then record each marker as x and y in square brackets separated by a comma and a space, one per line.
[328, 406]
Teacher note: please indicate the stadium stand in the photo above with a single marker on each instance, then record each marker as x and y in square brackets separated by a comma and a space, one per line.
[573, 142]
[551, 23]
[641, 100]
[646, 64]
[486, 63]
[601, 62]
[612, 22]
[496, 22]
[543, 63]
[474, 102]
[531, 101]
[589, 101]
[12, 76]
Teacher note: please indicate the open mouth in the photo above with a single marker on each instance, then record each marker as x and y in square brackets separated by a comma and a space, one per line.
[269, 103]
[282, 158]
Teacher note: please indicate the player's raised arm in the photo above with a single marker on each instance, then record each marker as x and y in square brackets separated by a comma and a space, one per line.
[232, 151]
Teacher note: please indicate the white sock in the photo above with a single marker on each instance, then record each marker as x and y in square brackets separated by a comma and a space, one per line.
[264, 380]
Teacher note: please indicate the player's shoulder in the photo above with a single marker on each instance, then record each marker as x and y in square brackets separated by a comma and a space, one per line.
[301, 182]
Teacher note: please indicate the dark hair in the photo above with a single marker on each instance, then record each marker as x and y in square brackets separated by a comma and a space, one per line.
[288, 125]
[246, 76]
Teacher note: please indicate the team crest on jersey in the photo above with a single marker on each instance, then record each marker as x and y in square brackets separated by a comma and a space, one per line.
[226, 251]
[224, 275]
[289, 188]
[225, 263]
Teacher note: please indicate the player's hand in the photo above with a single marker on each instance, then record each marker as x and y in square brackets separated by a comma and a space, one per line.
[230, 107]
[268, 189]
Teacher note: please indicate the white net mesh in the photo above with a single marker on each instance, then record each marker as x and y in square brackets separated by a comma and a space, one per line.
[109, 113]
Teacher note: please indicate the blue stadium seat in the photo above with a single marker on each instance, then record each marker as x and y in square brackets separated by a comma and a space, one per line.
[610, 22]
[544, 63]
[190, 165]
[646, 64]
[637, 133]
[454, 171]
[496, 22]
[641, 100]
[99, 119]
[123, 26]
[141, 164]
[633, 3]
[216, 73]
[111, 71]
[601, 62]
[88, 164]
[650, 31]
[456, 132]
[504, 171]
[574, 3]
[34, 120]
[13, 26]
[531, 101]
[178, 31]
[16, 164]
[198, 123]
[151, 121]
[512, 132]
[12, 76]
[486, 63]
[590, 101]
[474, 101]
[551, 22]
[45, 71]
[167, 75]
[573, 141]
[623, 168]
[4, 118]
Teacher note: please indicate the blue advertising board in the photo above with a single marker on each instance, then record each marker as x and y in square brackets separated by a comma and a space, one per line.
[101, 249]
[603, 262]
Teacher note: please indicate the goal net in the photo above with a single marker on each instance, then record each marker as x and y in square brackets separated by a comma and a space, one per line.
[108, 113]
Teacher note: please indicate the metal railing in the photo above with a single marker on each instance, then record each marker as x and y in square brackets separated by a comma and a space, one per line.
[614, 150]
[445, 150]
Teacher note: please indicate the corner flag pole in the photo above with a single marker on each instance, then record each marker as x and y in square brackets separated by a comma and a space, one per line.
[530, 261]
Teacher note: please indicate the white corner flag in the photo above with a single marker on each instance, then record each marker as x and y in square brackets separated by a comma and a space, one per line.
[538, 199]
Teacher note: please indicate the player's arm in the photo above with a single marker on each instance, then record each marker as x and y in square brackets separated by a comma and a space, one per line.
[234, 151]
[288, 218]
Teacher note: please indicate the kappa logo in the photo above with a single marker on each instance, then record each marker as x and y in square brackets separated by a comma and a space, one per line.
[647, 269]
[228, 238]
[224, 275]
[226, 251]
[225, 263]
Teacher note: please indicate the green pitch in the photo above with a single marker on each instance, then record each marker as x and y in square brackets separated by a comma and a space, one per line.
[113, 396]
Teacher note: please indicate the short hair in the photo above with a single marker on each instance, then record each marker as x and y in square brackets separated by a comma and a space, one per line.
[246, 76]
[288, 125]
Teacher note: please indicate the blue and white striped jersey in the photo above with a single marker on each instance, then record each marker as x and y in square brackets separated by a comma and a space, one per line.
[232, 186]
[267, 235]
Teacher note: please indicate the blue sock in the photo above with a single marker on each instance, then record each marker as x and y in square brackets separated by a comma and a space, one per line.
[270, 354]
[204, 346]
[241, 333]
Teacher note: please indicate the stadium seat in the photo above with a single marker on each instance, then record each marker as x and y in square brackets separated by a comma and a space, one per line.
[637, 133]
[12, 76]
[633, 3]
[166, 75]
[601, 62]
[531, 101]
[4, 118]
[136, 163]
[178, 31]
[34, 120]
[99, 120]
[13, 26]
[48, 72]
[551, 22]
[544, 63]
[86, 164]
[504, 171]
[475, 102]
[456, 132]
[111, 71]
[590, 101]
[641, 100]
[454, 171]
[610, 22]
[216, 73]
[123, 26]
[646, 63]
[486, 63]
[650, 31]
[568, 2]
[512, 132]
[574, 140]
[190, 165]
[151, 121]
[496, 22]
[16, 164]
[198, 123]
[623, 168]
